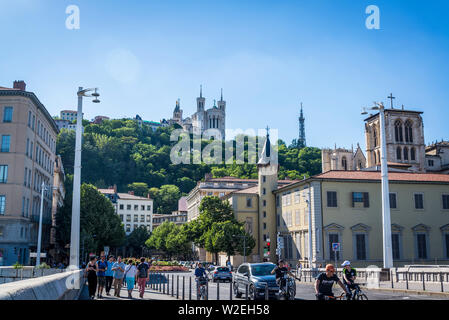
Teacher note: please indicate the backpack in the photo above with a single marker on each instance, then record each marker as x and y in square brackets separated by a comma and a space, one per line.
[143, 270]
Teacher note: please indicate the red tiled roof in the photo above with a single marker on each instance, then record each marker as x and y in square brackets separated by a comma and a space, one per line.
[4, 88]
[392, 176]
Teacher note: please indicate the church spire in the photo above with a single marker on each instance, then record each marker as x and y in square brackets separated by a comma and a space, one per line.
[221, 99]
[266, 151]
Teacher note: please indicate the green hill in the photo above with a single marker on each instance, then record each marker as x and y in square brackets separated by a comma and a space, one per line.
[136, 158]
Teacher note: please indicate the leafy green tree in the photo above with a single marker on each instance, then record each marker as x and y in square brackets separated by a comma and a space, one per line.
[166, 198]
[100, 225]
[136, 239]
[139, 188]
[169, 238]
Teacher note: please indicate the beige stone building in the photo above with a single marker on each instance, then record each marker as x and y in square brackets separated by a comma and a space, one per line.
[27, 157]
[346, 209]
[253, 204]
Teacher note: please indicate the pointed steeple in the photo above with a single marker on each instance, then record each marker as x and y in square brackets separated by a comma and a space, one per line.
[266, 151]
[201, 90]
[221, 99]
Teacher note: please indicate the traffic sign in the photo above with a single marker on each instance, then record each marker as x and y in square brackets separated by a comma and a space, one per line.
[335, 246]
[106, 251]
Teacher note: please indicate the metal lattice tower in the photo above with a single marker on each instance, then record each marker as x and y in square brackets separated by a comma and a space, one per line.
[302, 131]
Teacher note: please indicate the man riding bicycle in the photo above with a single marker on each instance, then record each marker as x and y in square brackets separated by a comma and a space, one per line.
[281, 270]
[349, 276]
[200, 277]
[325, 281]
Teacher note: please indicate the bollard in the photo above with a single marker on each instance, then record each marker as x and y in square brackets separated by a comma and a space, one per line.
[441, 282]
[406, 279]
[266, 292]
[190, 288]
[423, 282]
[207, 289]
[230, 290]
[246, 291]
[172, 285]
[163, 288]
[151, 280]
[391, 278]
[218, 290]
[161, 280]
[177, 287]
[183, 287]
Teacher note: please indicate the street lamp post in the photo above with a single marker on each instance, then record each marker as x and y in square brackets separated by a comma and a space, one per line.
[309, 231]
[76, 200]
[386, 218]
[39, 237]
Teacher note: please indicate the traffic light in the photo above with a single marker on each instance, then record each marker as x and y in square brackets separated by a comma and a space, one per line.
[267, 248]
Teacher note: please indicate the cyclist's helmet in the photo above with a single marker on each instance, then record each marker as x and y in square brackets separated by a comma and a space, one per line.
[346, 263]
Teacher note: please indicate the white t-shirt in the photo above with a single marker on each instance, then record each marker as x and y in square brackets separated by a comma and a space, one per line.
[130, 271]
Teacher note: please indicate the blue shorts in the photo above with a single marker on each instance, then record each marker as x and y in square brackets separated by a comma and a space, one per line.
[130, 283]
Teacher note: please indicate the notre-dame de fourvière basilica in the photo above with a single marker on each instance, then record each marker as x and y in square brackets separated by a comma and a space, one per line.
[406, 148]
[203, 119]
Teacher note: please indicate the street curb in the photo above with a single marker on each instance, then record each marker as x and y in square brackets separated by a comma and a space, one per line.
[417, 292]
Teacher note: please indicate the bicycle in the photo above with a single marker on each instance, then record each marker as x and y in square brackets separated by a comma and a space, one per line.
[358, 293]
[287, 291]
[202, 290]
[333, 298]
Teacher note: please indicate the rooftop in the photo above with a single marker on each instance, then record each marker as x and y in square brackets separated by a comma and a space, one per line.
[376, 175]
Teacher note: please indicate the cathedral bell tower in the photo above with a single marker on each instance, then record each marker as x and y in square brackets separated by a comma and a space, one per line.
[200, 101]
[268, 182]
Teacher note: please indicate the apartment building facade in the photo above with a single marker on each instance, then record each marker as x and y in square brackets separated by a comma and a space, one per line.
[134, 211]
[27, 157]
[346, 208]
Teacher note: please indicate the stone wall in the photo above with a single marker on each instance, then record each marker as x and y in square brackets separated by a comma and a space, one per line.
[62, 286]
[9, 274]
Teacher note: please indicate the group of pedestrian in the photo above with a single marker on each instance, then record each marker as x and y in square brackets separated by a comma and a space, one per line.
[103, 275]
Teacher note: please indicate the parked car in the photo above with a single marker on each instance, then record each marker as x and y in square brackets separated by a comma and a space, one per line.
[221, 274]
[255, 276]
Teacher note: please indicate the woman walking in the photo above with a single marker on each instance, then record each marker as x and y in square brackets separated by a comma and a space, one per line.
[130, 276]
[91, 271]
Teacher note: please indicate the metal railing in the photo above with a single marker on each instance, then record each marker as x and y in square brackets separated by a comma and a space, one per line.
[184, 287]
[394, 278]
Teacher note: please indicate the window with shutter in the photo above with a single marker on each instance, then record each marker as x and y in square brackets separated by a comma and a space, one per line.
[366, 199]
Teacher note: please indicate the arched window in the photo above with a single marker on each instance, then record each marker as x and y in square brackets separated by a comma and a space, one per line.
[375, 158]
[406, 153]
[398, 131]
[408, 131]
[398, 153]
[375, 138]
[413, 154]
[344, 163]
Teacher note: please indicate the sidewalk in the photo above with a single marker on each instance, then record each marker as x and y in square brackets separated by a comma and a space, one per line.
[148, 295]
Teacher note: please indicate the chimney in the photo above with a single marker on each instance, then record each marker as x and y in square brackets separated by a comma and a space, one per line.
[21, 85]
[115, 188]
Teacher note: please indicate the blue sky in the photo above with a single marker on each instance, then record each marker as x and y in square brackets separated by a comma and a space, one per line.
[268, 56]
